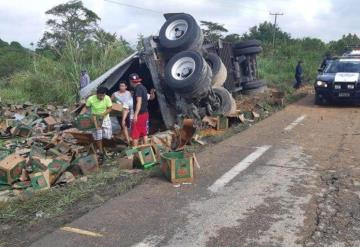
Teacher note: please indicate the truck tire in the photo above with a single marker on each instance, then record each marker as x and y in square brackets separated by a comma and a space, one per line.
[188, 74]
[248, 50]
[247, 43]
[218, 69]
[227, 102]
[253, 84]
[181, 32]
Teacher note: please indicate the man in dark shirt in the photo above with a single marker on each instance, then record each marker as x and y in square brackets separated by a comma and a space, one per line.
[298, 74]
[139, 127]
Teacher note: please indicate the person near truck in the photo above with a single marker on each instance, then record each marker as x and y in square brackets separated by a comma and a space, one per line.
[298, 74]
[100, 107]
[139, 126]
[124, 97]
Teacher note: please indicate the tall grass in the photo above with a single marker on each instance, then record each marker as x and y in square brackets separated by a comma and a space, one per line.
[278, 67]
[57, 81]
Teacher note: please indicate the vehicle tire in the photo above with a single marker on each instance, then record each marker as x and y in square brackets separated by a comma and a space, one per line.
[248, 50]
[253, 84]
[188, 74]
[254, 91]
[247, 43]
[188, 37]
[218, 69]
[318, 100]
[227, 102]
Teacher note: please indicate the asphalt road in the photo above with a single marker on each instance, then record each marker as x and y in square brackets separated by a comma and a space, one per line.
[290, 180]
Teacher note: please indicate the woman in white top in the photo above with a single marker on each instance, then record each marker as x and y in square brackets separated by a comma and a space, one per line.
[124, 97]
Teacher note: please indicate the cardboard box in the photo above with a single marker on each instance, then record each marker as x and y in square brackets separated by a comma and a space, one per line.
[50, 122]
[177, 167]
[88, 164]
[84, 122]
[116, 109]
[39, 181]
[11, 168]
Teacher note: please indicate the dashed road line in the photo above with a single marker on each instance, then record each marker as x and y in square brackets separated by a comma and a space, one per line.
[296, 122]
[242, 165]
[80, 231]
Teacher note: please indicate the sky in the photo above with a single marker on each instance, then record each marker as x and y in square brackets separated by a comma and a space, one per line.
[24, 20]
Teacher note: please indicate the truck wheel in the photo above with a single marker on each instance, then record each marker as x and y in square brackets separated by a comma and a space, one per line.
[253, 84]
[247, 43]
[227, 102]
[217, 67]
[187, 73]
[181, 32]
[248, 50]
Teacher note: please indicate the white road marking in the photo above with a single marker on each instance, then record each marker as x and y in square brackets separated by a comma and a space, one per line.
[80, 231]
[242, 165]
[150, 241]
[296, 122]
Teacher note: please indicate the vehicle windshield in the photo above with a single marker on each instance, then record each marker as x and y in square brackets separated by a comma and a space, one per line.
[343, 65]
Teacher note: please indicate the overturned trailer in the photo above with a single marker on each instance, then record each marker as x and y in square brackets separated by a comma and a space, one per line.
[193, 78]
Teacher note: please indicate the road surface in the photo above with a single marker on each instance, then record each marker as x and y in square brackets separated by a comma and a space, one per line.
[290, 180]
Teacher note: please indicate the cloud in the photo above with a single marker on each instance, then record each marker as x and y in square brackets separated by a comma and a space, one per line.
[24, 21]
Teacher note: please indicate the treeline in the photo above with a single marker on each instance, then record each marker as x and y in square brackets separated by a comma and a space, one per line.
[74, 41]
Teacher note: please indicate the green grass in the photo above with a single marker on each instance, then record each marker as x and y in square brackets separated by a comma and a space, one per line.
[54, 202]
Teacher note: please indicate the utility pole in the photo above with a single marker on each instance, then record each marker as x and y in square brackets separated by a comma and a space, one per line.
[275, 21]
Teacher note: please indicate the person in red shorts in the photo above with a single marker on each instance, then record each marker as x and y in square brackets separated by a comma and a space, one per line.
[139, 126]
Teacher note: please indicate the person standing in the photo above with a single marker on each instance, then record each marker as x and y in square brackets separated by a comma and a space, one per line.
[84, 79]
[124, 97]
[139, 127]
[100, 106]
[298, 75]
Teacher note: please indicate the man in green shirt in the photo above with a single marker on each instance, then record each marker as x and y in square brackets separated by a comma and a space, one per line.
[100, 106]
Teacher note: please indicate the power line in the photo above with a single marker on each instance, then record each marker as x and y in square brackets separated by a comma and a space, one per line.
[134, 6]
[275, 21]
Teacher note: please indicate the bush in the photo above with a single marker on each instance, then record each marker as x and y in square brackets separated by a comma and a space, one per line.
[56, 81]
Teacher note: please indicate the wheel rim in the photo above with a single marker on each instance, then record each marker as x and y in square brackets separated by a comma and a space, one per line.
[183, 68]
[176, 30]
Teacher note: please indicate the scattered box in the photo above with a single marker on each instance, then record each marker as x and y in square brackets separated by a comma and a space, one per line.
[116, 109]
[11, 168]
[39, 182]
[144, 157]
[50, 122]
[178, 167]
[84, 122]
[88, 164]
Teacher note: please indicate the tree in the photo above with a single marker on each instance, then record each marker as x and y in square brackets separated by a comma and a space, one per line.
[139, 44]
[264, 32]
[233, 37]
[213, 31]
[70, 21]
[344, 44]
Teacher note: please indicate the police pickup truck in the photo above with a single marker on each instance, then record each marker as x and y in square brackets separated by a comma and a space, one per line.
[339, 80]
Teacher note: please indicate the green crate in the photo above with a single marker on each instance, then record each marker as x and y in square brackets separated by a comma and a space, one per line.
[178, 167]
[144, 156]
[84, 122]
